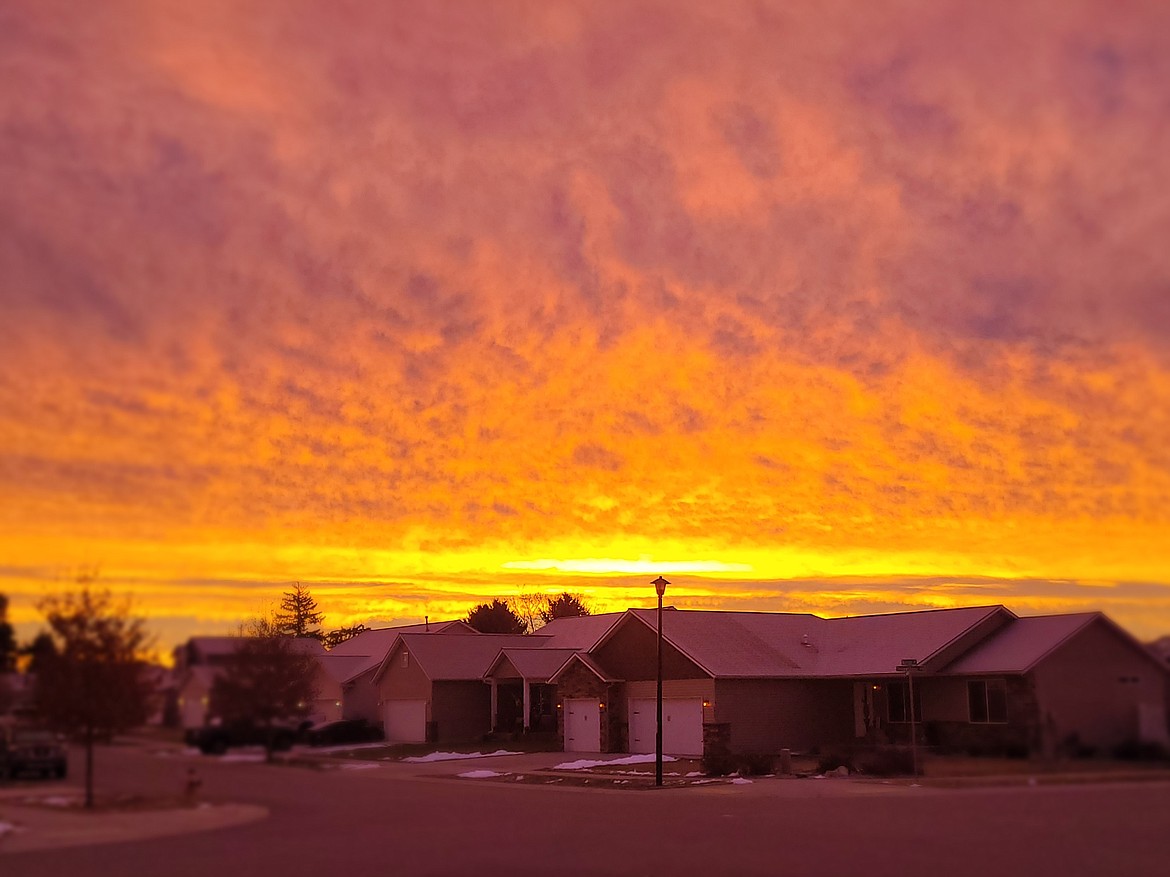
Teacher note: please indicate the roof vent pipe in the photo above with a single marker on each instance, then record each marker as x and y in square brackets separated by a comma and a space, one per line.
[427, 623]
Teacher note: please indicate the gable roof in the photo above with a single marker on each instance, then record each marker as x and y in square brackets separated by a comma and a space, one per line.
[372, 646]
[580, 632]
[774, 645]
[535, 665]
[456, 656]
[590, 664]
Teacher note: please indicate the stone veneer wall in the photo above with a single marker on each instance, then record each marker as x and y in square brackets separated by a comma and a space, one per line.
[580, 681]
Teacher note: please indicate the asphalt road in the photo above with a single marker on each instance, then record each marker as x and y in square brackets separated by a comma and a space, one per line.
[381, 822]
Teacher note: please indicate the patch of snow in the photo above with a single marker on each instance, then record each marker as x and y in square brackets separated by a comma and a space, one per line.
[703, 782]
[455, 756]
[6, 828]
[341, 747]
[359, 765]
[481, 774]
[695, 773]
[740, 781]
[585, 763]
[56, 801]
[240, 757]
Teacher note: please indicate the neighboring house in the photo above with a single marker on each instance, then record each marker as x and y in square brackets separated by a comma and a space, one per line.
[431, 688]
[202, 659]
[354, 662]
[985, 680]
[522, 697]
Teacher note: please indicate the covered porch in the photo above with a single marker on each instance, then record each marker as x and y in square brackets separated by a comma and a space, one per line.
[523, 700]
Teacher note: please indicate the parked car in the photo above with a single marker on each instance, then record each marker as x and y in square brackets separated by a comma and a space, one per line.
[217, 739]
[32, 751]
[344, 731]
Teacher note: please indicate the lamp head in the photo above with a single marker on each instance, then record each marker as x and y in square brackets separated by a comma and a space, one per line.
[660, 585]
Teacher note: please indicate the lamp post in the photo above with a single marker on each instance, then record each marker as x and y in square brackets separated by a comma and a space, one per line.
[660, 587]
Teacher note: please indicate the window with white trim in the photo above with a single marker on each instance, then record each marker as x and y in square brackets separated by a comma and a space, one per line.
[987, 701]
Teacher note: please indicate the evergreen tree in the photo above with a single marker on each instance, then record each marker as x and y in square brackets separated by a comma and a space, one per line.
[564, 605]
[496, 617]
[337, 637]
[298, 614]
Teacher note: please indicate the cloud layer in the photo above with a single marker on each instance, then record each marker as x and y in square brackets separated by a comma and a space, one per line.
[348, 291]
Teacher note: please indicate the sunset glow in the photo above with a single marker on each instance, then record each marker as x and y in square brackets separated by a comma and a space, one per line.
[828, 307]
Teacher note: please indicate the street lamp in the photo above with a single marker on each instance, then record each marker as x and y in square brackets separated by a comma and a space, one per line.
[660, 587]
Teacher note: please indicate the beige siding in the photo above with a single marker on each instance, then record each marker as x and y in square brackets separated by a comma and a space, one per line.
[632, 654]
[1087, 688]
[359, 699]
[461, 710]
[403, 680]
[770, 714]
[943, 700]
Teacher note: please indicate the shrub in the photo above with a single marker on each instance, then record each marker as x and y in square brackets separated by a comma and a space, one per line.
[887, 762]
[755, 764]
[718, 763]
[1138, 750]
[832, 760]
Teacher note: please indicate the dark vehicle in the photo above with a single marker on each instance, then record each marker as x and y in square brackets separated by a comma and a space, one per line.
[217, 739]
[30, 751]
[344, 731]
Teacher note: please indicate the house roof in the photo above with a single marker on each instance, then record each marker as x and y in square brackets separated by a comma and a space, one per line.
[589, 662]
[1022, 644]
[372, 646]
[580, 632]
[535, 665]
[342, 668]
[771, 645]
[458, 656]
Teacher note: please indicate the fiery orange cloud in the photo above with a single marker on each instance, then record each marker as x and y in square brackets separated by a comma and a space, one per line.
[810, 307]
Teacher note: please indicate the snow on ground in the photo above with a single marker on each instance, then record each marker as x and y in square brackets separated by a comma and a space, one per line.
[740, 781]
[455, 756]
[358, 765]
[586, 763]
[7, 828]
[341, 747]
[481, 774]
[55, 801]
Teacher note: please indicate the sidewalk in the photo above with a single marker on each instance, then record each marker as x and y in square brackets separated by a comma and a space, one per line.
[26, 825]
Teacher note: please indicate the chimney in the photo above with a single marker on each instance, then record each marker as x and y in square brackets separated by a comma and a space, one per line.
[427, 623]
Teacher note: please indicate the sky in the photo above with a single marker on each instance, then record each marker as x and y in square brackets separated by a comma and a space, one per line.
[820, 307]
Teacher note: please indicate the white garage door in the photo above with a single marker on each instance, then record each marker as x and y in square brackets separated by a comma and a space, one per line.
[582, 725]
[682, 725]
[405, 721]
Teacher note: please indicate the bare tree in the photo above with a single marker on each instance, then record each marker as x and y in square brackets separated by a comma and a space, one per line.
[92, 685]
[298, 614]
[528, 605]
[268, 679]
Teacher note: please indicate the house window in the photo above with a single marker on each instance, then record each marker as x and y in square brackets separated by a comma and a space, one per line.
[897, 698]
[987, 701]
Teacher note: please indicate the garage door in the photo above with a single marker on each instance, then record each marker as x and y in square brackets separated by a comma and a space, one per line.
[682, 725]
[582, 725]
[405, 721]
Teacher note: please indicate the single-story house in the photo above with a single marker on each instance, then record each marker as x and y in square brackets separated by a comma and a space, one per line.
[983, 679]
[353, 663]
[431, 688]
